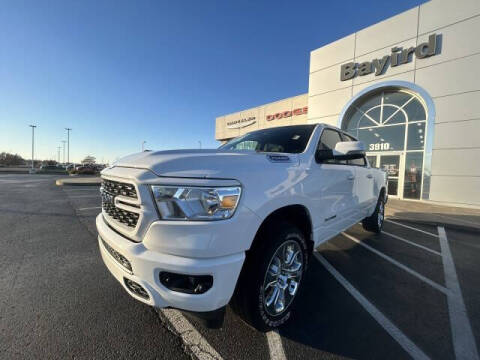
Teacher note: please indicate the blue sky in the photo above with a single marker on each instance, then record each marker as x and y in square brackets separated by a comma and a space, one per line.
[120, 72]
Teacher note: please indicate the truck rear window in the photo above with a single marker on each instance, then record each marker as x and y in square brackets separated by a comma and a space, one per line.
[286, 139]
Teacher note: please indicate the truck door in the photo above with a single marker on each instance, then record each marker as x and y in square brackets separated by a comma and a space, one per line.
[364, 183]
[331, 190]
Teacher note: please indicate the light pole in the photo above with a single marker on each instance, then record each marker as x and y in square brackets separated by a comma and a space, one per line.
[58, 153]
[143, 145]
[33, 142]
[199, 144]
[68, 144]
[63, 141]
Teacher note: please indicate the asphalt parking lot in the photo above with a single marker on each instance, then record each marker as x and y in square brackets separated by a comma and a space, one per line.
[411, 292]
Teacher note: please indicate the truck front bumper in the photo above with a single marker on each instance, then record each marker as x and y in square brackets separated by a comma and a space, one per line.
[137, 267]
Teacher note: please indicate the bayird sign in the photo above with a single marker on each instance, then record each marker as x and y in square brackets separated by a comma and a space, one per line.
[399, 56]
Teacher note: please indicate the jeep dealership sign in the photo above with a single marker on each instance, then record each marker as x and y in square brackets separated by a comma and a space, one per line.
[399, 56]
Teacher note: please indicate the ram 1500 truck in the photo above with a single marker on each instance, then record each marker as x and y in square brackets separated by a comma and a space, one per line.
[199, 229]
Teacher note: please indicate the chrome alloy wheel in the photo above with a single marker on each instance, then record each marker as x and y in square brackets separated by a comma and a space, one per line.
[283, 277]
[381, 214]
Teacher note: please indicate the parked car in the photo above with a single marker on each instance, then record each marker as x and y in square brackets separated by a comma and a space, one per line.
[52, 169]
[199, 229]
[86, 170]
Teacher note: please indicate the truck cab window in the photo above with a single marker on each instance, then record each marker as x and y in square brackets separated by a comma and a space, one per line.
[286, 139]
[327, 142]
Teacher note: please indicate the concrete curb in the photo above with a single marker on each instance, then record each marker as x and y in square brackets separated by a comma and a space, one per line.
[79, 181]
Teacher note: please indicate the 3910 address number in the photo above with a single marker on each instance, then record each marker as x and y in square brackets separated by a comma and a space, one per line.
[379, 146]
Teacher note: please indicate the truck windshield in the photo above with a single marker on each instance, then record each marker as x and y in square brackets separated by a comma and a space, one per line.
[286, 139]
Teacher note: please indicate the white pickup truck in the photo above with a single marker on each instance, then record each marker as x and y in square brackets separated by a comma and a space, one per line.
[199, 229]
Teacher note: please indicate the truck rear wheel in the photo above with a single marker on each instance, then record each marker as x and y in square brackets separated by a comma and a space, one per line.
[271, 277]
[374, 222]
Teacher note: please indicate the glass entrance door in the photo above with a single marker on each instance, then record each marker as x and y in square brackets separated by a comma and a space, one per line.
[392, 163]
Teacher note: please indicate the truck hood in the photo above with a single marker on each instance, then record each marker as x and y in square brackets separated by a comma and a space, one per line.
[215, 163]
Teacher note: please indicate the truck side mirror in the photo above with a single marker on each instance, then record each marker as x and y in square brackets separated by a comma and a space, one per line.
[349, 150]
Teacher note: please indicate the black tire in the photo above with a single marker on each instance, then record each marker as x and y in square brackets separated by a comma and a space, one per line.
[250, 298]
[374, 222]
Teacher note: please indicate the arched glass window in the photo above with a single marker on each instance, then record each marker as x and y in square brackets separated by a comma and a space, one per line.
[390, 120]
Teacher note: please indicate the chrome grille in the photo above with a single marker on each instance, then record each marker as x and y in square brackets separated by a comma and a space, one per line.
[119, 188]
[110, 189]
[123, 216]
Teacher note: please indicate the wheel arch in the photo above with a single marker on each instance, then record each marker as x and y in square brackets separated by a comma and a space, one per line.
[295, 214]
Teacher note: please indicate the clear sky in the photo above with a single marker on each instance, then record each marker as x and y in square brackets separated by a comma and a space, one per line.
[120, 72]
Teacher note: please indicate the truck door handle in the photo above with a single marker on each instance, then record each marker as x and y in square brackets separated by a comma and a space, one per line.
[351, 177]
[369, 176]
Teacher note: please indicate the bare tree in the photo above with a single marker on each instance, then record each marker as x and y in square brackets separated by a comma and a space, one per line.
[8, 159]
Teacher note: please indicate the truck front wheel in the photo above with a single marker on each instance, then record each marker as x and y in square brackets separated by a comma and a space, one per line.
[374, 222]
[272, 277]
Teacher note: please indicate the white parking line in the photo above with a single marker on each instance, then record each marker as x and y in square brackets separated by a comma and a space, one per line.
[411, 243]
[400, 265]
[462, 335]
[89, 208]
[275, 346]
[408, 345]
[84, 196]
[411, 228]
[82, 189]
[192, 339]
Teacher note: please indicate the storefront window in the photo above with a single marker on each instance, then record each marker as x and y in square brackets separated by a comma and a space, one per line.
[415, 111]
[380, 121]
[392, 124]
[413, 175]
[387, 138]
[416, 136]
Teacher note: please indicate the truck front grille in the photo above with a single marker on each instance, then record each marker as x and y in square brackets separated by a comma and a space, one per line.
[119, 188]
[123, 216]
[122, 260]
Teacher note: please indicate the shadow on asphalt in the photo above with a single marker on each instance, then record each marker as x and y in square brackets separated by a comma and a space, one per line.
[329, 320]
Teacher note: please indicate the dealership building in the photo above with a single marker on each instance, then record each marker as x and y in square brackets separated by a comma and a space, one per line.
[409, 87]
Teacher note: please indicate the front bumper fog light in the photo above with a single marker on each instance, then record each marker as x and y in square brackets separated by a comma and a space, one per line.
[135, 288]
[189, 284]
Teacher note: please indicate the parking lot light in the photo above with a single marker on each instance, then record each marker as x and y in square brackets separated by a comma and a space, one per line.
[68, 145]
[33, 142]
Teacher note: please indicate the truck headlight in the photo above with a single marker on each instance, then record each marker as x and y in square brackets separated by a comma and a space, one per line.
[195, 203]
